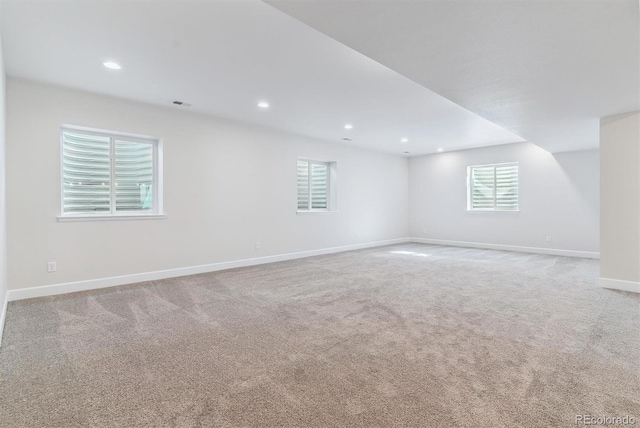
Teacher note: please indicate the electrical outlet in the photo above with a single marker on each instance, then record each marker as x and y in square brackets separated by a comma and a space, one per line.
[51, 267]
[548, 238]
[257, 245]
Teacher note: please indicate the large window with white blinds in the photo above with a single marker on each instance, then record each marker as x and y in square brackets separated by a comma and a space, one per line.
[109, 174]
[493, 187]
[315, 185]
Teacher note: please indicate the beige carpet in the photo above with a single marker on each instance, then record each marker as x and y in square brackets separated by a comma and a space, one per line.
[406, 335]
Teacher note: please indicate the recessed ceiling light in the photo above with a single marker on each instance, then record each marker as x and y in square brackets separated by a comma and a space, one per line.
[348, 126]
[406, 153]
[404, 140]
[112, 65]
[347, 139]
[263, 104]
[440, 149]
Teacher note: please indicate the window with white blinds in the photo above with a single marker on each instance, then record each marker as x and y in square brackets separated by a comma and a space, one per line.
[314, 185]
[109, 174]
[493, 187]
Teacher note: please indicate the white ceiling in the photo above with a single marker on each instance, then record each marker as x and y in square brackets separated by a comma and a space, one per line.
[545, 69]
[223, 57]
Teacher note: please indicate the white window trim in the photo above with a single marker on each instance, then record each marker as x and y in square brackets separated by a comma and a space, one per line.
[484, 210]
[331, 188]
[316, 212]
[115, 217]
[157, 212]
[469, 189]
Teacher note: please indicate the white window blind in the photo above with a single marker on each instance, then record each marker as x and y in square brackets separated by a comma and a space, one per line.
[134, 176]
[105, 174]
[313, 185]
[493, 187]
[86, 173]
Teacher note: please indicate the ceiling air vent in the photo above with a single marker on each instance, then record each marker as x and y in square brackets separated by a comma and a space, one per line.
[181, 103]
[347, 139]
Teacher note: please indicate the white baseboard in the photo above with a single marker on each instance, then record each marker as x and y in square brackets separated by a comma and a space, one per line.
[536, 250]
[3, 315]
[92, 284]
[619, 284]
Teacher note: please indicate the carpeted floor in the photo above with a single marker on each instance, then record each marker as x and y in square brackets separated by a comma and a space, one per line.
[407, 335]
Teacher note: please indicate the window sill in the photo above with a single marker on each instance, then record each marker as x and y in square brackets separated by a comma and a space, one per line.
[118, 217]
[494, 211]
[315, 212]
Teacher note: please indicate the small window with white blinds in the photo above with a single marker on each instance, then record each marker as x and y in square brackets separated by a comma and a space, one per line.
[493, 187]
[105, 174]
[314, 185]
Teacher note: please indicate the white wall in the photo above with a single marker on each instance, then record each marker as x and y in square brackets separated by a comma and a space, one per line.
[558, 197]
[620, 196]
[3, 223]
[226, 186]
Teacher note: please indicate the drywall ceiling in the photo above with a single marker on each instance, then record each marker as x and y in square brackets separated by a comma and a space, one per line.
[223, 57]
[546, 69]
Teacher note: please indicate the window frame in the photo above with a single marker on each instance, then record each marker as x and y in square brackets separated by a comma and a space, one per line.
[331, 187]
[470, 186]
[156, 212]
